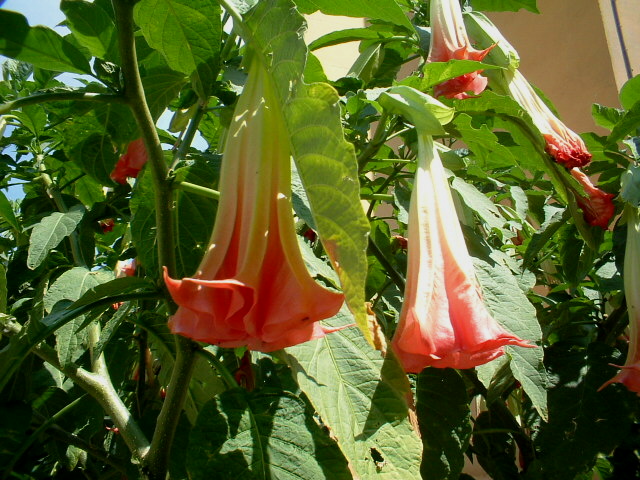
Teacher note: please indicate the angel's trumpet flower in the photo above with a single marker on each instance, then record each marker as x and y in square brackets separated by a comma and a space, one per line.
[563, 144]
[252, 287]
[130, 164]
[444, 321]
[449, 41]
[598, 207]
[630, 372]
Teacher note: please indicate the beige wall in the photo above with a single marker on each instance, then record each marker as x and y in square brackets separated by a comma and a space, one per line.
[336, 60]
[621, 20]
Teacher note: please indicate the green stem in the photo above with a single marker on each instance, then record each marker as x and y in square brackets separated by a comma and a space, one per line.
[135, 98]
[186, 142]
[156, 461]
[197, 189]
[393, 274]
[59, 97]
[377, 196]
[379, 137]
[225, 374]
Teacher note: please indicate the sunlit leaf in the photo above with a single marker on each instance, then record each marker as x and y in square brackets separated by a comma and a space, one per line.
[188, 34]
[51, 230]
[361, 398]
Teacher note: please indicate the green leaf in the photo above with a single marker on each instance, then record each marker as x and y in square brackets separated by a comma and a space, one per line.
[585, 421]
[161, 86]
[630, 93]
[34, 332]
[606, 117]
[360, 396]
[510, 307]
[437, 72]
[51, 230]
[40, 46]
[6, 212]
[386, 10]
[112, 288]
[630, 185]
[424, 111]
[626, 126]
[445, 422]
[478, 202]
[71, 285]
[261, 435]
[92, 27]
[344, 36]
[3, 289]
[326, 163]
[505, 5]
[489, 152]
[188, 34]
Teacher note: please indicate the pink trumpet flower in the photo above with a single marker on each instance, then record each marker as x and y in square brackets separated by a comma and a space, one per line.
[563, 144]
[449, 41]
[629, 374]
[252, 287]
[598, 207]
[444, 321]
[130, 164]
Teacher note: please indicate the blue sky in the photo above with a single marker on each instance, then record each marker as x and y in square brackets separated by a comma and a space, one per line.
[38, 12]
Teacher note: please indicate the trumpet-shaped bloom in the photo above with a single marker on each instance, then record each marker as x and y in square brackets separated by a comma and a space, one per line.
[130, 164]
[598, 207]
[252, 287]
[449, 41]
[444, 321]
[630, 371]
[563, 144]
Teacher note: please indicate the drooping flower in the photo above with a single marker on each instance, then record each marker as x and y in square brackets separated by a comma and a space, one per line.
[130, 164]
[630, 371]
[449, 41]
[444, 321]
[252, 287]
[598, 207]
[107, 225]
[563, 144]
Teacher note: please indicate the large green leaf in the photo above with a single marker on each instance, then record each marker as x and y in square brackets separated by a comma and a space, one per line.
[262, 435]
[510, 307]
[505, 5]
[360, 396]
[161, 86]
[387, 10]
[326, 163]
[92, 27]
[188, 34]
[445, 422]
[71, 285]
[51, 230]
[40, 46]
